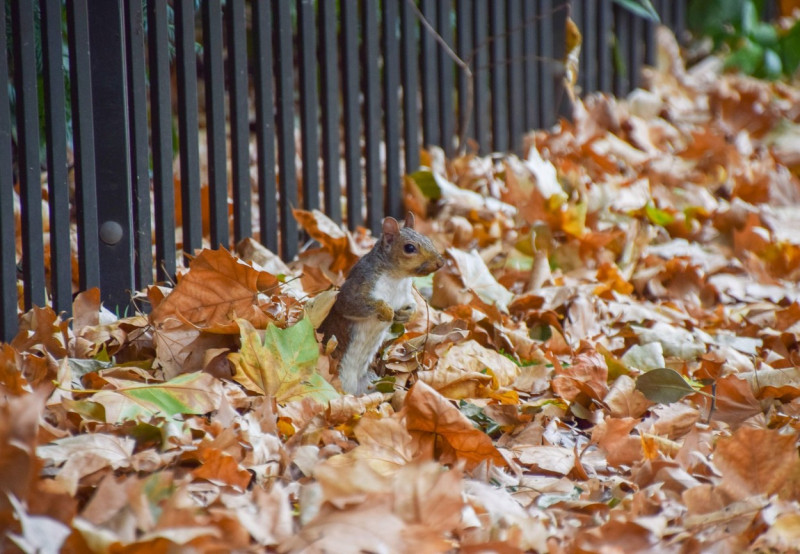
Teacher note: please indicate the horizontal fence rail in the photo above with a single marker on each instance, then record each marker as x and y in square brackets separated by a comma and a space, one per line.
[179, 124]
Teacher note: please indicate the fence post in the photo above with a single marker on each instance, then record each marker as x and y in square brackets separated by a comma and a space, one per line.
[112, 151]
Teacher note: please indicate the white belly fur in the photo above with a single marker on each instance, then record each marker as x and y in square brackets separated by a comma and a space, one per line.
[366, 336]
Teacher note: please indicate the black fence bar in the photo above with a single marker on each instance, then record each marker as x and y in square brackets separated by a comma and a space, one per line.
[372, 115]
[28, 152]
[480, 73]
[329, 85]
[56, 149]
[592, 45]
[464, 45]
[83, 144]
[186, 68]
[239, 120]
[391, 107]
[306, 38]
[446, 84]
[139, 151]
[350, 104]
[546, 99]
[8, 254]
[161, 139]
[605, 41]
[112, 149]
[515, 74]
[265, 125]
[636, 51]
[410, 78]
[216, 160]
[531, 64]
[429, 67]
[284, 101]
[499, 70]
[622, 32]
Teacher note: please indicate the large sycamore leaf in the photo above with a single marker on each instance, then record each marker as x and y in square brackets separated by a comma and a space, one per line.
[191, 393]
[447, 431]
[216, 290]
[281, 362]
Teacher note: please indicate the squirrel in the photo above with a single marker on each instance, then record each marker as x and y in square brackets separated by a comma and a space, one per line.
[377, 292]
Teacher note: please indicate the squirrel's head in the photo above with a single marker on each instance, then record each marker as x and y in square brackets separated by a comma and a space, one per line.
[411, 252]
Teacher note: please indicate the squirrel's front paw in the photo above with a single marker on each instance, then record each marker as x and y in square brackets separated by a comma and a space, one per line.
[404, 314]
[384, 312]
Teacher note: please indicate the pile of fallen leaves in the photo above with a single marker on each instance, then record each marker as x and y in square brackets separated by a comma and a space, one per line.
[608, 363]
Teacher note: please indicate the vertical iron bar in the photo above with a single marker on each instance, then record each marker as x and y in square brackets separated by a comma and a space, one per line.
[8, 254]
[531, 64]
[545, 24]
[352, 121]
[430, 68]
[28, 152]
[446, 65]
[605, 41]
[112, 162]
[391, 108]
[636, 51]
[137, 94]
[577, 14]
[284, 80]
[306, 38]
[563, 106]
[372, 114]
[499, 66]
[591, 45]
[408, 42]
[265, 125]
[515, 98]
[239, 120]
[161, 138]
[464, 10]
[56, 131]
[480, 76]
[622, 31]
[186, 66]
[80, 72]
[679, 17]
[214, 74]
[329, 85]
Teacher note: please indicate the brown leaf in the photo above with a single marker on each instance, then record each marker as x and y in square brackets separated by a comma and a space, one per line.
[613, 436]
[755, 461]
[216, 290]
[445, 430]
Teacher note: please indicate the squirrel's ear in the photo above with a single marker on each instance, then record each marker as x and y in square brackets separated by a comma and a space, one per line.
[390, 228]
[410, 220]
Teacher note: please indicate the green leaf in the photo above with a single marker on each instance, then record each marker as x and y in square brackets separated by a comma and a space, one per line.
[663, 385]
[642, 8]
[282, 364]
[747, 59]
[191, 393]
[658, 216]
[478, 417]
[427, 184]
[789, 45]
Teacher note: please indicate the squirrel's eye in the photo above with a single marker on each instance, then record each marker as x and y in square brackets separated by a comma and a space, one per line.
[409, 248]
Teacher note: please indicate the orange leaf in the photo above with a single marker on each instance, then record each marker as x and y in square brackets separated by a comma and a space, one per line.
[216, 290]
[429, 415]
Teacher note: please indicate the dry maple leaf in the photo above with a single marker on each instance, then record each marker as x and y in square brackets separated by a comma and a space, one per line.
[444, 431]
[216, 290]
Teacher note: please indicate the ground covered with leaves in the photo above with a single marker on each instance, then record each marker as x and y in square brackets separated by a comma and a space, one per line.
[607, 363]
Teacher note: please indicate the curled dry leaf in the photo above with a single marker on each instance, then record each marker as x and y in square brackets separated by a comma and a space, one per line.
[444, 432]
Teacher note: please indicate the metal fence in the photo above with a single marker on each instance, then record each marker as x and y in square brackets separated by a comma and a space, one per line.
[99, 98]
